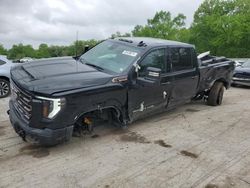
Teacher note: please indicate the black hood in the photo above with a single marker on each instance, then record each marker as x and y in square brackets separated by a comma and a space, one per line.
[57, 75]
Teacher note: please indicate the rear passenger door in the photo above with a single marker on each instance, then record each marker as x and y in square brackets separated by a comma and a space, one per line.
[185, 74]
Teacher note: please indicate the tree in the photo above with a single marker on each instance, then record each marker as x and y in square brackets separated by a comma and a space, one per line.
[3, 51]
[55, 51]
[16, 52]
[29, 51]
[78, 47]
[222, 27]
[19, 51]
[183, 35]
[162, 25]
[43, 51]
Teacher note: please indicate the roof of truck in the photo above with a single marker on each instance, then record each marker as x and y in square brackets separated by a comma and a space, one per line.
[152, 42]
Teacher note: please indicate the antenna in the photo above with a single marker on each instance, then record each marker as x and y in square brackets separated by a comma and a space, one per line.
[76, 46]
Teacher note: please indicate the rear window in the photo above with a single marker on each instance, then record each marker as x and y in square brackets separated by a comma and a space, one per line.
[181, 59]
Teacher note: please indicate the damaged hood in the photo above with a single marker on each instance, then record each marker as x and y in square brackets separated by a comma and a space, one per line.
[57, 75]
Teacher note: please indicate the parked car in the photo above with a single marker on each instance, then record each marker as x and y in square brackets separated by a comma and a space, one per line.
[239, 61]
[241, 74]
[119, 80]
[5, 66]
[23, 60]
[26, 60]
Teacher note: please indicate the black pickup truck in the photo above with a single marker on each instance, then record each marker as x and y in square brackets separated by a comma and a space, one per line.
[119, 80]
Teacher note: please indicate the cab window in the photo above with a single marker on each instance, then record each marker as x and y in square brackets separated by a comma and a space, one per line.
[181, 59]
[154, 59]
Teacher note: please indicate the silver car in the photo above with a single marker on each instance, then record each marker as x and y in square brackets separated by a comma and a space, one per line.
[5, 66]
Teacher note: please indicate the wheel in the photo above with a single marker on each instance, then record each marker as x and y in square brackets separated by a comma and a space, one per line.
[215, 95]
[4, 88]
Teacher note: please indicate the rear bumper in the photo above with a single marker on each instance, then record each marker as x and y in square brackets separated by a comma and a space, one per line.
[38, 136]
[241, 81]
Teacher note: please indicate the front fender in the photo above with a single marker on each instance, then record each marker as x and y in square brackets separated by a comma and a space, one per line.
[81, 104]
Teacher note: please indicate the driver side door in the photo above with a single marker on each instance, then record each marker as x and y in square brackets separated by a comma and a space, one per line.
[144, 98]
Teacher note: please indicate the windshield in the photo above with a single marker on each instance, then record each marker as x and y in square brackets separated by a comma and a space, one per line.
[111, 56]
[246, 64]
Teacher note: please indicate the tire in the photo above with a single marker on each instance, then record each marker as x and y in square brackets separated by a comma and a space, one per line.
[215, 95]
[4, 88]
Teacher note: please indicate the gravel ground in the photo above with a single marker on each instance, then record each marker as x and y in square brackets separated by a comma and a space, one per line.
[192, 146]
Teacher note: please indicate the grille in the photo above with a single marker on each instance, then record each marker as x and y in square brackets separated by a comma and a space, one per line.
[242, 75]
[22, 102]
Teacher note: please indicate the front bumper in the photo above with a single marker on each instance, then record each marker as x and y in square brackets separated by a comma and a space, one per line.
[241, 81]
[38, 136]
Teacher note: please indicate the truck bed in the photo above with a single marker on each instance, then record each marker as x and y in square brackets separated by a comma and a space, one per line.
[214, 68]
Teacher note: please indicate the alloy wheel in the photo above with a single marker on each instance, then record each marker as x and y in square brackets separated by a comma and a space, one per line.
[4, 88]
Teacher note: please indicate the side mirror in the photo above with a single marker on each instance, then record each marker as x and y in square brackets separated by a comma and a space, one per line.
[153, 73]
[152, 77]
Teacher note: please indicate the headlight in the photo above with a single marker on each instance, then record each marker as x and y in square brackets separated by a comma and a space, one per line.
[51, 106]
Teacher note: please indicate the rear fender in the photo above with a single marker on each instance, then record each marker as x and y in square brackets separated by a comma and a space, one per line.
[225, 83]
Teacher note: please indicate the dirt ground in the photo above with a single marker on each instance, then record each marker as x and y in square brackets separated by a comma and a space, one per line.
[192, 146]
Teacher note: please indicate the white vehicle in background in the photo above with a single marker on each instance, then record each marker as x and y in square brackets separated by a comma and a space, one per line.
[5, 66]
[26, 59]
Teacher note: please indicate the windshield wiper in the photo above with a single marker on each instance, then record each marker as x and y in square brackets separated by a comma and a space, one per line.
[95, 66]
[83, 61]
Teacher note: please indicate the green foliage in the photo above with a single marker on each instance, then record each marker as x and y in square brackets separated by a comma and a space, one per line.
[81, 46]
[3, 51]
[162, 25]
[44, 51]
[223, 27]
[183, 35]
[19, 51]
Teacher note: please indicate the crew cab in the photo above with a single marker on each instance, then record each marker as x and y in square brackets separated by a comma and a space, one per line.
[119, 80]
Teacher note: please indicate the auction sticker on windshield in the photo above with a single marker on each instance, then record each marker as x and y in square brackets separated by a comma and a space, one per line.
[133, 54]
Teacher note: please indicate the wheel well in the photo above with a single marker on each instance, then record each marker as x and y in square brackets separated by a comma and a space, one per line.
[225, 83]
[206, 92]
[4, 78]
[108, 113]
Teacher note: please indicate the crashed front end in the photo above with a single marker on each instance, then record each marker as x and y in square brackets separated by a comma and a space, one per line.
[30, 116]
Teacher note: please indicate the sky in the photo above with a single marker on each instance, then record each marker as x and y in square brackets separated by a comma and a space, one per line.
[57, 21]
